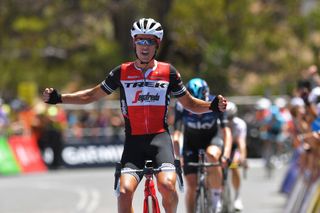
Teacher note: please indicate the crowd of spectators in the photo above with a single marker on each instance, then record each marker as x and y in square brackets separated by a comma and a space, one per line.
[302, 126]
[52, 125]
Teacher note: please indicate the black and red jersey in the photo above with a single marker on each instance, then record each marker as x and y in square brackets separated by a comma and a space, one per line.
[145, 96]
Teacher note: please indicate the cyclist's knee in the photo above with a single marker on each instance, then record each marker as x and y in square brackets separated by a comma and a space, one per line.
[213, 153]
[127, 189]
[167, 184]
[126, 192]
[214, 157]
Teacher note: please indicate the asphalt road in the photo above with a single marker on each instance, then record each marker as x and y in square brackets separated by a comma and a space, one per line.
[91, 191]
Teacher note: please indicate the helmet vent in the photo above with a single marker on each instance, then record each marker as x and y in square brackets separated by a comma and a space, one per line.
[145, 24]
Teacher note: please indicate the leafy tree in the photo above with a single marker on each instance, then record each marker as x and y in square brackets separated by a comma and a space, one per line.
[239, 47]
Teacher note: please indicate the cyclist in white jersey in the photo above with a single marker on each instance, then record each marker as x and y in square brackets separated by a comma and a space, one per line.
[239, 150]
[145, 87]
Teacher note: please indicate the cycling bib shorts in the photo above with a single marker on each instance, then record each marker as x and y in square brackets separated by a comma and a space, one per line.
[155, 147]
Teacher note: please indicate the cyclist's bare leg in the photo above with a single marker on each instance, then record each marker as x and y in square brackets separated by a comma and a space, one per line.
[236, 182]
[166, 182]
[128, 185]
[236, 178]
[214, 174]
[191, 180]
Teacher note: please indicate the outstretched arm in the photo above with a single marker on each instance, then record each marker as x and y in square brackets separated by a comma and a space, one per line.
[86, 96]
[199, 106]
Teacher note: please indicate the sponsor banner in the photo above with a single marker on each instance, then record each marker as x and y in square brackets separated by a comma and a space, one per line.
[78, 155]
[8, 163]
[27, 153]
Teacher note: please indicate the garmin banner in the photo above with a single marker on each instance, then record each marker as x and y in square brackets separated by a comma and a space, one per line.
[78, 155]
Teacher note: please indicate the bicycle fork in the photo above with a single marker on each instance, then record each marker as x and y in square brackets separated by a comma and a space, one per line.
[150, 198]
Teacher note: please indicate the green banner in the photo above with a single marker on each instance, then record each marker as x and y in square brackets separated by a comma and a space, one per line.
[8, 163]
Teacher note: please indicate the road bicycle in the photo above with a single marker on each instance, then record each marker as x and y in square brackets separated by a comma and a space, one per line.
[203, 196]
[151, 203]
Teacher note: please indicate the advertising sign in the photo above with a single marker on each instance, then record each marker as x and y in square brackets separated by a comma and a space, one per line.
[77, 155]
[27, 153]
[8, 163]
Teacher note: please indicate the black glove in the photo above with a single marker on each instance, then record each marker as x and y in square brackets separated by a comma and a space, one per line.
[54, 97]
[214, 105]
[228, 160]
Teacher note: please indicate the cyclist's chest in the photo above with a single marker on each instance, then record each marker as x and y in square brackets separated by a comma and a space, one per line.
[149, 88]
[199, 121]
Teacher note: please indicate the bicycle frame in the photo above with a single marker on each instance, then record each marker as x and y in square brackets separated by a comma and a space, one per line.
[151, 203]
[150, 197]
[203, 201]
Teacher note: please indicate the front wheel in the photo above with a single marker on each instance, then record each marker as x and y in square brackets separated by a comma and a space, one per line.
[202, 201]
[150, 204]
[226, 199]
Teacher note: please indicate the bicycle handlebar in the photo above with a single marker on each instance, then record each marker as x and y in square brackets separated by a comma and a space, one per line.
[149, 171]
[204, 164]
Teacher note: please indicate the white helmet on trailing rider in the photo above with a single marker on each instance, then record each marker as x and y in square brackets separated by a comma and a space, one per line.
[147, 26]
[231, 109]
[280, 102]
[263, 103]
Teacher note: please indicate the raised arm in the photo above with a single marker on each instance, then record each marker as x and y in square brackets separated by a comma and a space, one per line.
[199, 106]
[51, 96]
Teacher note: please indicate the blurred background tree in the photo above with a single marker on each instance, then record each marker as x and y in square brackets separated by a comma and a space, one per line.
[247, 47]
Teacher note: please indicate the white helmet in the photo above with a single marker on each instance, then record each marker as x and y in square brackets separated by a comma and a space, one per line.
[147, 26]
[314, 95]
[280, 102]
[297, 102]
[263, 103]
[232, 109]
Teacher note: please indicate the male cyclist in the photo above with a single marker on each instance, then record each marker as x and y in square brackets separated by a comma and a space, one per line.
[239, 149]
[200, 131]
[145, 87]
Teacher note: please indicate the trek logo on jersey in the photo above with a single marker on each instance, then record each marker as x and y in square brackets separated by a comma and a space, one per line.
[146, 84]
[147, 97]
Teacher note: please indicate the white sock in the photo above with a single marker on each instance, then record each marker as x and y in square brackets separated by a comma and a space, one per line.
[216, 196]
[236, 194]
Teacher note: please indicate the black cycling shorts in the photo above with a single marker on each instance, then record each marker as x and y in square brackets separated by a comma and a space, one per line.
[139, 148]
[191, 145]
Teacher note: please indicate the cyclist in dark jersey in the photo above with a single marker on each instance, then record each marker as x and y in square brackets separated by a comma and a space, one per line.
[145, 87]
[206, 131]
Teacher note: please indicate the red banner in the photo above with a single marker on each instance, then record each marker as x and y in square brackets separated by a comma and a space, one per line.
[27, 153]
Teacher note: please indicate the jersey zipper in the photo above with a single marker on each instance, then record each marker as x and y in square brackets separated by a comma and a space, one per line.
[145, 107]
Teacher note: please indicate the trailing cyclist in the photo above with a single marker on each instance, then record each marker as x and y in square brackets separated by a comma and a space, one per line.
[271, 126]
[200, 131]
[145, 86]
[239, 150]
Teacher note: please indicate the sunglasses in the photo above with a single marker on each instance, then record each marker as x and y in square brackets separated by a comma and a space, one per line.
[146, 42]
